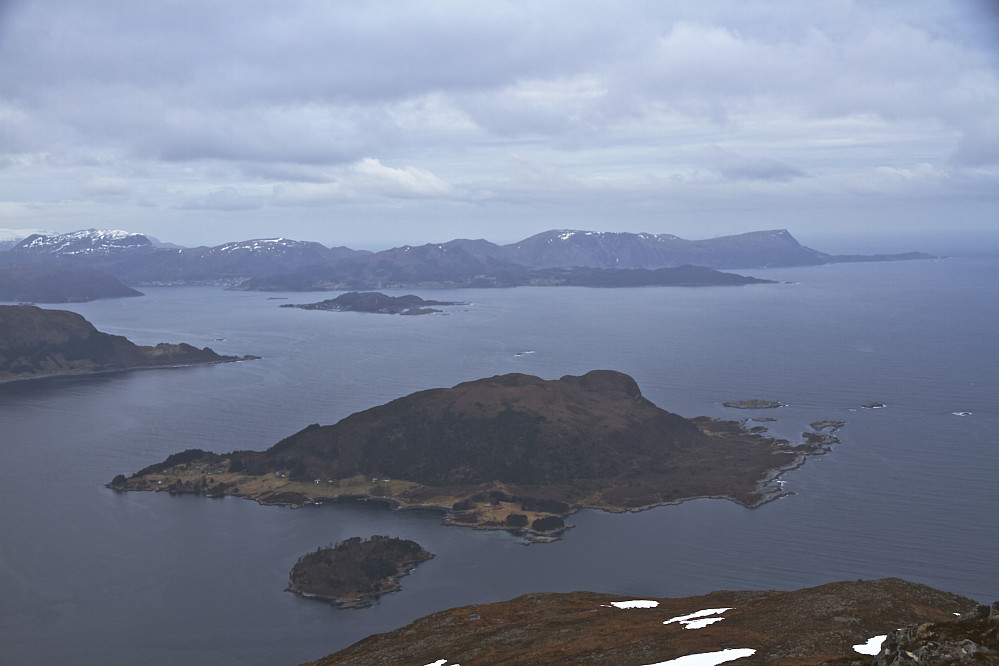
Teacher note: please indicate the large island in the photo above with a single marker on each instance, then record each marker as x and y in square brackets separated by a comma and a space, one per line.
[507, 452]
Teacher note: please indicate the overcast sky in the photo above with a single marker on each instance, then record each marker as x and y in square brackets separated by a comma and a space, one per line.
[371, 124]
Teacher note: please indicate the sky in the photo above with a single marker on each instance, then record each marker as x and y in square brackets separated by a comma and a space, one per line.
[377, 123]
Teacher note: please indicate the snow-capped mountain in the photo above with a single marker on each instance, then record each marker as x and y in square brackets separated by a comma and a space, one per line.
[87, 242]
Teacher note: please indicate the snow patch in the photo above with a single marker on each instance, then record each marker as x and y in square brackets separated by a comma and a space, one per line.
[708, 658]
[700, 619]
[872, 646]
[637, 603]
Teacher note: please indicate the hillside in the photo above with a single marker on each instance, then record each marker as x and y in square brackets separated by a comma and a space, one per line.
[50, 284]
[36, 342]
[489, 449]
[808, 626]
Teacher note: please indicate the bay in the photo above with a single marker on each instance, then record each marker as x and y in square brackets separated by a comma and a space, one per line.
[93, 576]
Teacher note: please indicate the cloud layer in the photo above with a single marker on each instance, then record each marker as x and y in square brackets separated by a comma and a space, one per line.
[426, 120]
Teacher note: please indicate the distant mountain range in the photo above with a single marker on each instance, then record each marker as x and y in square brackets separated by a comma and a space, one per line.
[578, 258]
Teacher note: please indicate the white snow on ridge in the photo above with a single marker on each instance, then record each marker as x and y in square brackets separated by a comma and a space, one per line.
[872, 646]
[258, 244]
[700, 619]
[637, 603]
[87, 241]
[708, 658]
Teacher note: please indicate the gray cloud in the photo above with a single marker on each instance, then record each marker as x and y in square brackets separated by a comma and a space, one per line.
[395, 106]
[226, 199]
[742, 167]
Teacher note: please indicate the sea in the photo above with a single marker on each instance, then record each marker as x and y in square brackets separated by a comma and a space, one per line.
[93, 576]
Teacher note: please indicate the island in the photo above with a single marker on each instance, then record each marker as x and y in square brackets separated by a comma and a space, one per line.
[512, 452]
[355, 572]
[754, 404]
[35, 342]
[373, 301]
[836, 623]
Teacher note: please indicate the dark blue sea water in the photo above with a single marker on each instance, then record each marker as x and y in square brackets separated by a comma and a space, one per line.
[89, 576]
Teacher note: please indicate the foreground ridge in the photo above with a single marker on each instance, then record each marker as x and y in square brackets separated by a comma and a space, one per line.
[809, 626]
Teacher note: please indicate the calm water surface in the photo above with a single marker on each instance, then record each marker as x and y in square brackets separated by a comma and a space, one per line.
[92, 576]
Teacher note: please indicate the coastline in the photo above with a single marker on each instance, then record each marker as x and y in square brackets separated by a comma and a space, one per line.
[85, 373]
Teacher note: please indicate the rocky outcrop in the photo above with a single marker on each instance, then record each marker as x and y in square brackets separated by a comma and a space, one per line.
[972, 639]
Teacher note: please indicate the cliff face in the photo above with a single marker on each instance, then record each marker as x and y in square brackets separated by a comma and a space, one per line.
[36, 342]
[809, 626]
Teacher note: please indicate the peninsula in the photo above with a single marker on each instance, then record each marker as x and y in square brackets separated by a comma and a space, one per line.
[53, 284]
[373, 301]
[355, 572]
[36, 343]
[509, 452]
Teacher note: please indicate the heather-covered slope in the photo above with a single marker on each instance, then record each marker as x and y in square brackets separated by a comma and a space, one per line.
[807, 626]
[36, 342]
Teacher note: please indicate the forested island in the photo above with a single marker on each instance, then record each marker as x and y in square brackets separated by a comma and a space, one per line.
[355, 572]
[507, 452]
[35, 342]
